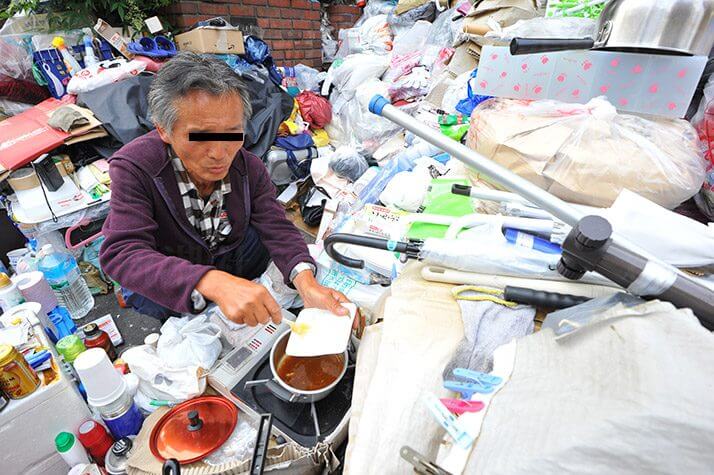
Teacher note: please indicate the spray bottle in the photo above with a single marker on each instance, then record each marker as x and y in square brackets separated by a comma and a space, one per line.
[90, 60]
[69, 61]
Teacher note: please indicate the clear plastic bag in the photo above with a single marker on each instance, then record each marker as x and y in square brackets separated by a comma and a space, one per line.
[10, 108]
[374, 8]
[441, 33]
[406, 20]
[308, 78]
[16, 56]
[588, 153]
[540, 27]
[347, 163]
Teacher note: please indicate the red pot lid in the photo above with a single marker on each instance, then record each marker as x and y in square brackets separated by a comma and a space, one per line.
[193, 429]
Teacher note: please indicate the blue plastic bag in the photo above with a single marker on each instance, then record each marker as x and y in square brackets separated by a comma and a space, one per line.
[466, 106]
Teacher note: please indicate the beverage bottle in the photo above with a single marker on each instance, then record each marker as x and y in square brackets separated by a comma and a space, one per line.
[94, 337]
[66, 280]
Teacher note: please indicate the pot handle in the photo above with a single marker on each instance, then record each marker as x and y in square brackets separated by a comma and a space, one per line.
[280, 391]
[171, 467]
[545, 45]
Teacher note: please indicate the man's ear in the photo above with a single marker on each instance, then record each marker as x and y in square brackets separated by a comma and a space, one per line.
[163, 134]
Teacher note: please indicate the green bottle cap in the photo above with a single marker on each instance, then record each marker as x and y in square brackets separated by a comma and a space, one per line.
[64, 441]
[70, 347]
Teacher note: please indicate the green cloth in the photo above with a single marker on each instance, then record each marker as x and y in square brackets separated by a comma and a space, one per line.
[440, 200]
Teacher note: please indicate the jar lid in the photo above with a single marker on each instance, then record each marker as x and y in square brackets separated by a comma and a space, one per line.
[4, 280]
[193, 429]
[70, 347]
[64, 441]
[6, 353]
[122, 446]
[91, 330]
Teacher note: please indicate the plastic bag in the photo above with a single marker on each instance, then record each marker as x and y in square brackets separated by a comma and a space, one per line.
[540, 27]
[10, 108]
[108, 72]
[467, 105]
[401, 65]
[441, 33]
[413, 39]
[272, 280]
[308, 79]
[375, 35]
[405, 21]
[411, 86]
[703, 121]
[189, 342]
[375, 8]
[16, 56]
[588, 153]
[457, 90]
[314, 109]
[159, 379]
[353, 72]
[347, 163]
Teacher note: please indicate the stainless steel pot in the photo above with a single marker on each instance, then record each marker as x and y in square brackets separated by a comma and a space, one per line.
[684, 27]
[288, 393]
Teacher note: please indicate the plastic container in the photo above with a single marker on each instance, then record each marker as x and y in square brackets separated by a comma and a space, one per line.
[89, 59]
[59, 316]
[70, 347]
[73, 66]
[519, 238]
[94, 337]
[104, 385]
[70, 449]
[10, 295]
[95, 438]
[117, 459]
[65, 278]
[122, 416]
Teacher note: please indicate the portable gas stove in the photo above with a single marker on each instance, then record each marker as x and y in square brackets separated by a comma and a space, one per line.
[305, 424]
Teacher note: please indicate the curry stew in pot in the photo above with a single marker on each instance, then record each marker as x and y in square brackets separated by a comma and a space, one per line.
[307, 373]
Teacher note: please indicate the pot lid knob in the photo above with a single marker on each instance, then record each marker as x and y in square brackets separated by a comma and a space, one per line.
[195, 422]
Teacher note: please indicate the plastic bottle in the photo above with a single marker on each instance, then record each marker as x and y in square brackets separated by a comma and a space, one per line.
[70, 449]
[95, 438]
[94, 337]
[70, 347]
[519, 238]
[9, 293]
[73, 66]
[62, 321]
[89, 59]
[66, 280]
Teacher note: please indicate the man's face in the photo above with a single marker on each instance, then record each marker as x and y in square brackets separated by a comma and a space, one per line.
[198, 111]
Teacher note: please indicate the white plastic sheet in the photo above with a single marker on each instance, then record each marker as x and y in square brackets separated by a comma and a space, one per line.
[189, 342]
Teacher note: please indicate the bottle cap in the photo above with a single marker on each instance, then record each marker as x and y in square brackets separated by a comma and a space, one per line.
[91, 330]
[64, 441]
[70, 347]
[58, 42]
[122, 446]
[4, 280]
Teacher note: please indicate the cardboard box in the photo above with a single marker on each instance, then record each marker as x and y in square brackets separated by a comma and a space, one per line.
[211, 40]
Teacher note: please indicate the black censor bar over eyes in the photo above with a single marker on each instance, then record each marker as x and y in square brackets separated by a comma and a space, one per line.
[215, 137]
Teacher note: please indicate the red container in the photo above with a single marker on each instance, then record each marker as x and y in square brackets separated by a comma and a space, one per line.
[96, 338]
[95, 438]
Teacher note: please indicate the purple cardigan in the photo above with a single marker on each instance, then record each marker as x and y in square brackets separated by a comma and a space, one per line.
[151, 248]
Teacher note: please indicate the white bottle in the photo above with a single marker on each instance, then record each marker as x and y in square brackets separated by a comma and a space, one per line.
[9, 293]
[70, 449]
[65, 278]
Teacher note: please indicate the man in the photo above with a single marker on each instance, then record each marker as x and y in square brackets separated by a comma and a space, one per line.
[193, 216]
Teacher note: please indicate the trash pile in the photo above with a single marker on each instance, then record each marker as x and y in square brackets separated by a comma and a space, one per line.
[374, 196]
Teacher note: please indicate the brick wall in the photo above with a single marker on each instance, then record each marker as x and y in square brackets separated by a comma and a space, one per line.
[290, 27]
[343, 16]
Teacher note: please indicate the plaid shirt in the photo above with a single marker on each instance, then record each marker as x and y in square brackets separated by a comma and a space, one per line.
[207, 216]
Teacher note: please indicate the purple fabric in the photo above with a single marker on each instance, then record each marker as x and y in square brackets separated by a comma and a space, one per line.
[151, 248]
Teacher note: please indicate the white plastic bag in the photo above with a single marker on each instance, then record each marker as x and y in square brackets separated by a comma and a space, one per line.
[158, 380]
[588, 153]
[189, 341]
[353, 72]
[272, 279]
[107, 72]
[540, 27]
[308, 79]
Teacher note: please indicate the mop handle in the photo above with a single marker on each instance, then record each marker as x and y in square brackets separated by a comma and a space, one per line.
[614, 257]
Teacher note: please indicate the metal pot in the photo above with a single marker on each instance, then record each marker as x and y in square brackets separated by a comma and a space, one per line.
[288, 393]
[680, 27]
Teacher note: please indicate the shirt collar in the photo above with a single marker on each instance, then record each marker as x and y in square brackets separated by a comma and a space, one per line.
[184, 180]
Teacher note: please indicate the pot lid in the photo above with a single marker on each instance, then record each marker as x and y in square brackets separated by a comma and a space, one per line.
[193, 429]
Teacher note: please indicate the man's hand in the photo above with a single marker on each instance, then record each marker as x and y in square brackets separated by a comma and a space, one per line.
[315, 295]
[240, 300]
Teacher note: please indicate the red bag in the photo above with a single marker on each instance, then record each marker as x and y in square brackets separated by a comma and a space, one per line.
[314, 109]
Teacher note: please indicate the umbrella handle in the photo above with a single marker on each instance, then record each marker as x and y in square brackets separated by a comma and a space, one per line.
[365, 241]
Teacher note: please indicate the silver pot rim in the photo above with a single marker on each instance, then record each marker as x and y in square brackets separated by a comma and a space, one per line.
[301, 392]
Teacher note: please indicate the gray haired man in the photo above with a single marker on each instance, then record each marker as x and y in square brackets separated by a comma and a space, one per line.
[194, 216]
